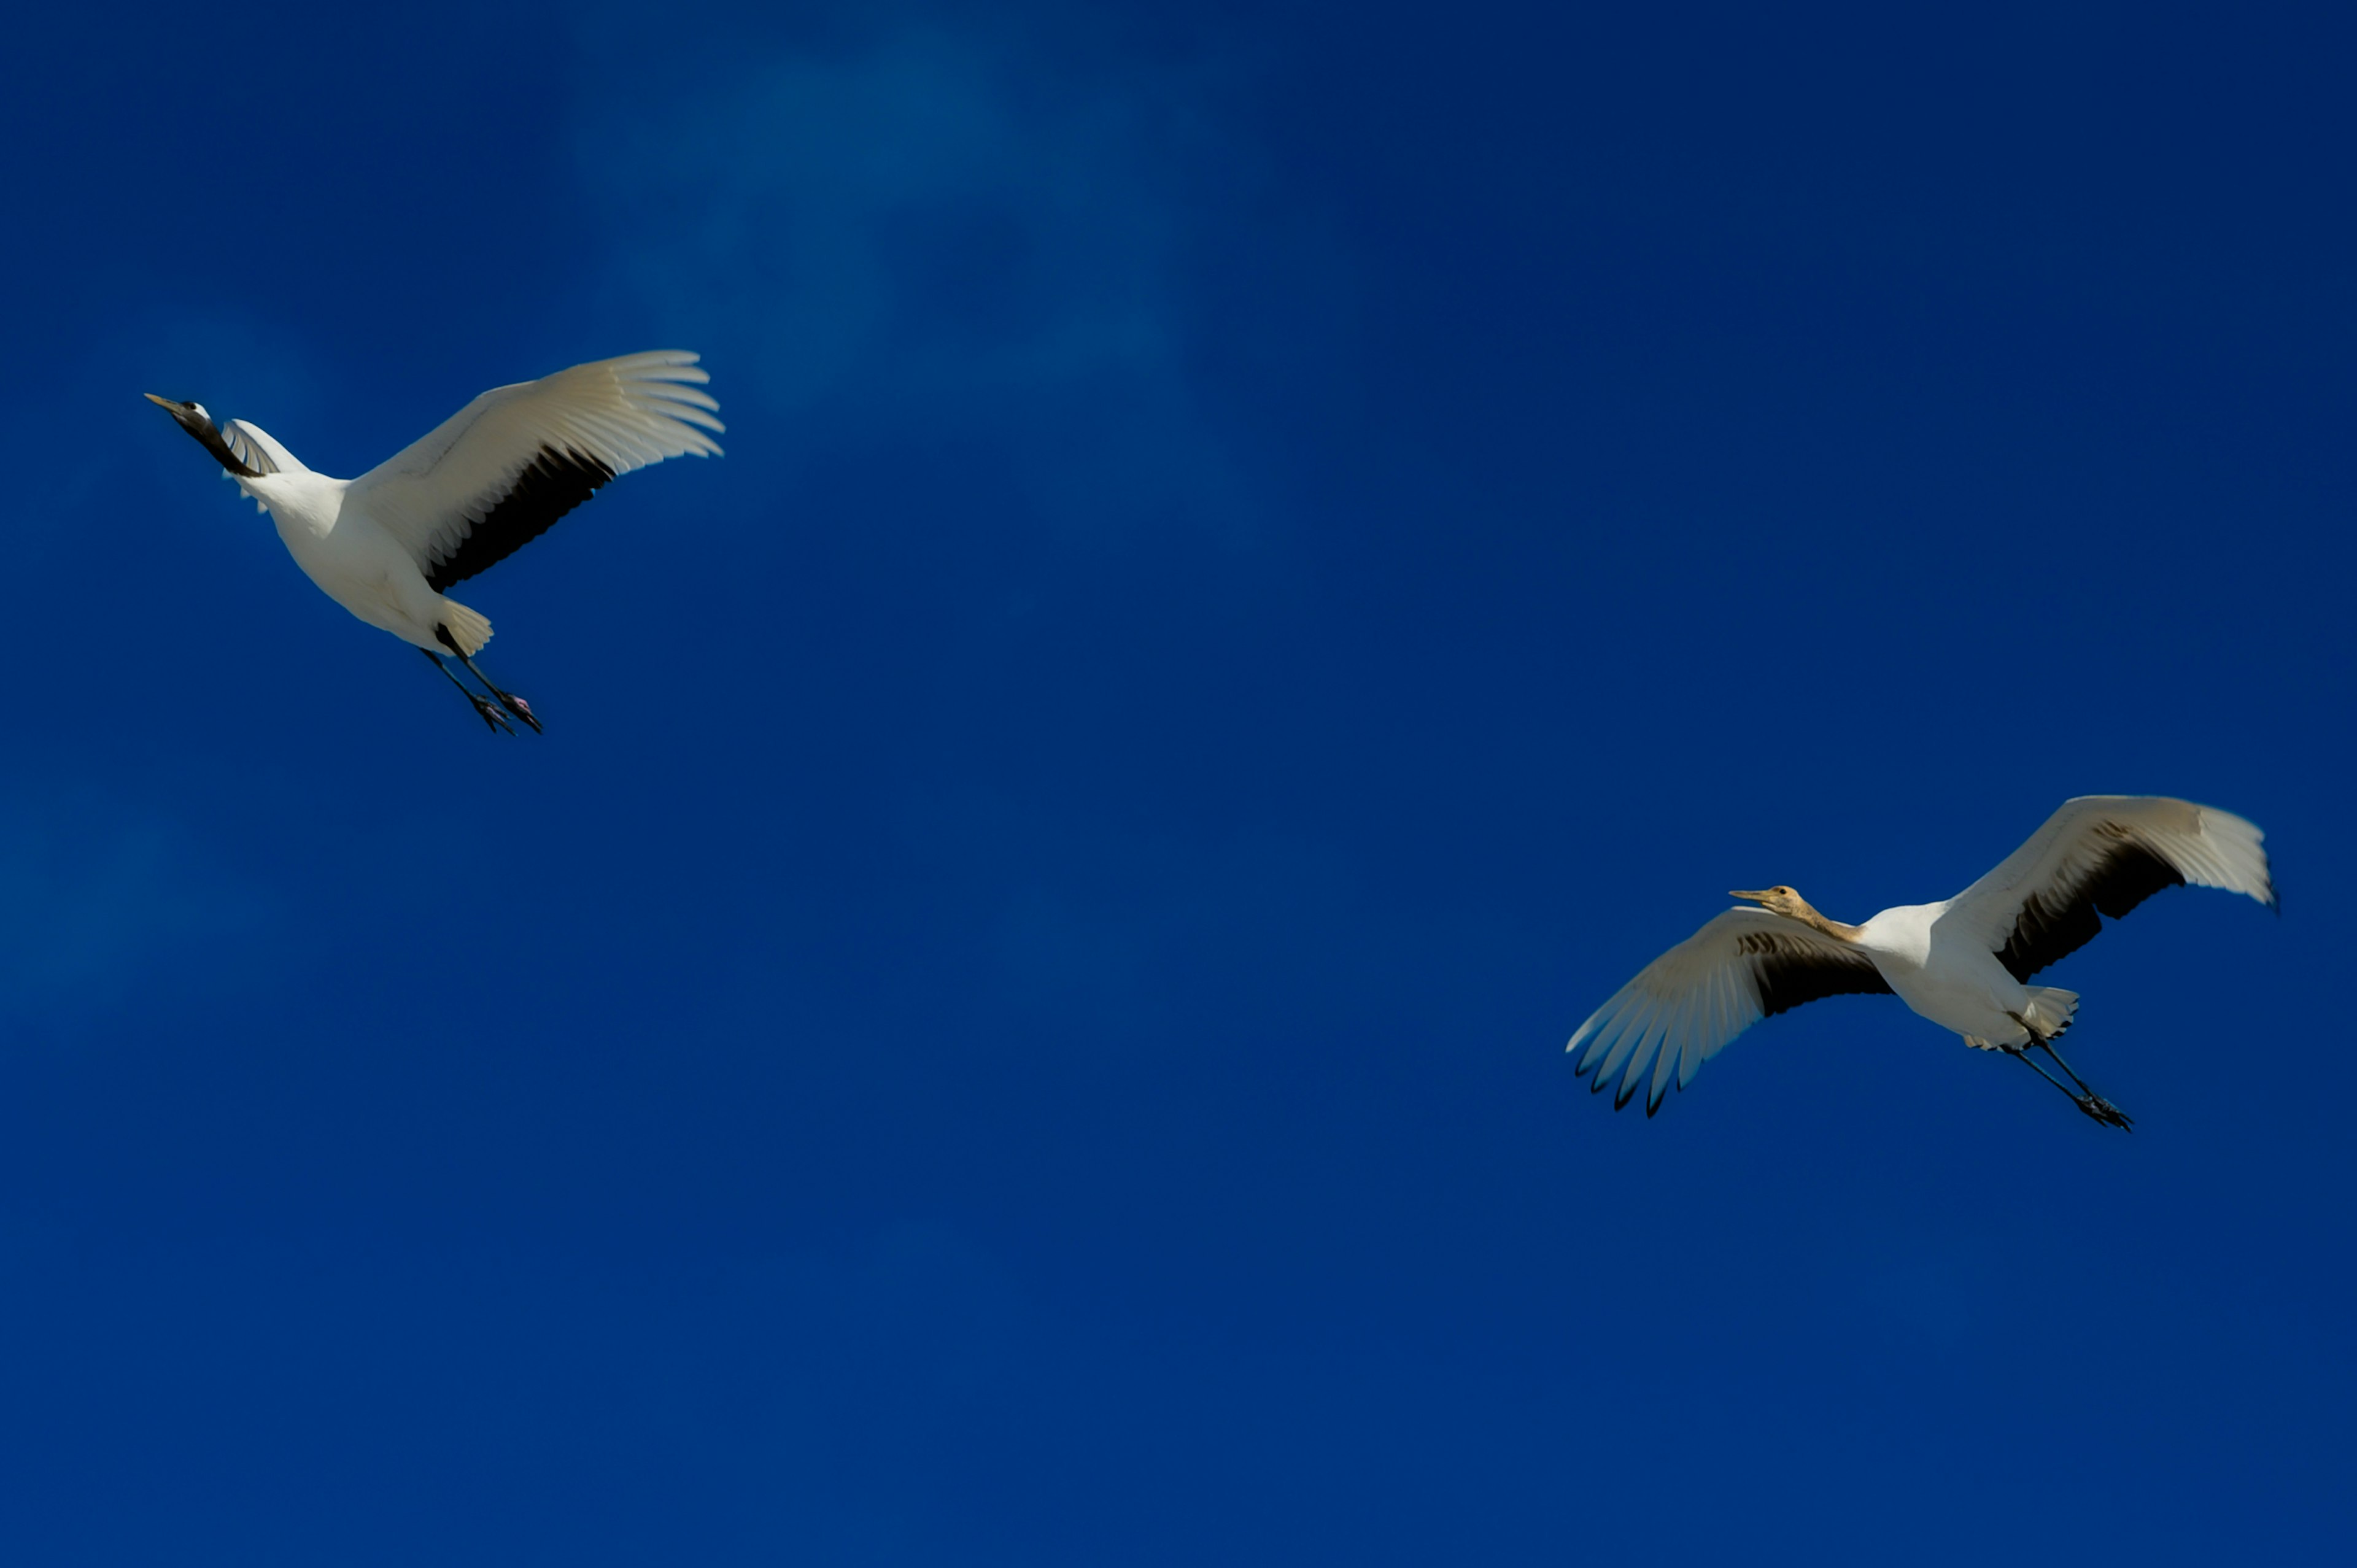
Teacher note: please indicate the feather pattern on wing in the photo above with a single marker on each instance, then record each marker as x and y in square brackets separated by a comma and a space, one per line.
[258, 449]
[499, 472]
[2103, 855]
[1745, 965]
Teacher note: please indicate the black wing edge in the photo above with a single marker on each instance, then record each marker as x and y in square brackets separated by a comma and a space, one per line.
[1790, 977]
[2049, 930]
[551, 485]
[1788, 974]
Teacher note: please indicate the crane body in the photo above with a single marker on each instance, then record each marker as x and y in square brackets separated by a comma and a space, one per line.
[1950, 978]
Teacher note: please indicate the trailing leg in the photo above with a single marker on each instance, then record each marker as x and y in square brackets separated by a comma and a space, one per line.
[508, 700]
[2094, 1104]
[496, 721]
[2083, 1097]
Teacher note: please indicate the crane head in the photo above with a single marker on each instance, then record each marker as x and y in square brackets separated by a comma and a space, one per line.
[187, 414]
[1780, 899]
[192, 418]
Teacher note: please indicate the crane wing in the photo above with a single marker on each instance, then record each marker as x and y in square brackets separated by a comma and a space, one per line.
[499, 473]
[1746, 965]
[2105, 855]
[258, 449]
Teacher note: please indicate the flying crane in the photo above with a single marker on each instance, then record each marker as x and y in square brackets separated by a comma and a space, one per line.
[1965, 964]
[481, 485]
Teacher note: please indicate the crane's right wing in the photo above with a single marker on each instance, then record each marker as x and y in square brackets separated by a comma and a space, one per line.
[1746, 965]
[501, 471]
[2105, 855]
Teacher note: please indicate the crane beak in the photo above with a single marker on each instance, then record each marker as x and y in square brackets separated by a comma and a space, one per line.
[1758, 898]
[186, 412]
[192, 418]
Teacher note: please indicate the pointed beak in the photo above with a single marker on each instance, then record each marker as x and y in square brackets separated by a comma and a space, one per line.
[1755, 897]
[192, 418]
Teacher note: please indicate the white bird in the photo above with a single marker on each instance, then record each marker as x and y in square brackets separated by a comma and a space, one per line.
[1965, 964]
[481, 485]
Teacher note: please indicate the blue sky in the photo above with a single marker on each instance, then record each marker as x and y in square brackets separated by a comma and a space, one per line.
[1269, 557]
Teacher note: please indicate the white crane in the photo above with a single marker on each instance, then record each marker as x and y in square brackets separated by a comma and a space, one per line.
[478, 487]
[1965, 964]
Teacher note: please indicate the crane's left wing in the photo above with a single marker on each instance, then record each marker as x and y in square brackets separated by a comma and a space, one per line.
[259, 452]
[257, 448]
[499, 473]
[1746, 965]
[2105, 855]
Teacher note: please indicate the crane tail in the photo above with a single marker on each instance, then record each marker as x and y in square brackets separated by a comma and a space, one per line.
[469, 630]
[2051, 1009]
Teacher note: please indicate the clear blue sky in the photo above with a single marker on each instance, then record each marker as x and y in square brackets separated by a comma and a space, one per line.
[1269, 556]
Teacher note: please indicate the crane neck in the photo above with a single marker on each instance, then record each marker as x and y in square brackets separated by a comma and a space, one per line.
[210, 440]
[1834, 929]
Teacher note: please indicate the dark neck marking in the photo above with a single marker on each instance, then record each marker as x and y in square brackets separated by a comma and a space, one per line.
[210, 440]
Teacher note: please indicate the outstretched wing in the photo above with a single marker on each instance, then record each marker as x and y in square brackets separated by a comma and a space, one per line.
[499, 473]
[2105, 855]
[1746, 965]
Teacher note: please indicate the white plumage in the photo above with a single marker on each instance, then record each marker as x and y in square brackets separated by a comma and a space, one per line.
[488, 481]
[1964, 963]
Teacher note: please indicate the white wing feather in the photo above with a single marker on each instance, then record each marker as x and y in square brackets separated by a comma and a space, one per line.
[258, 449]
[2105, 854]
[1684, 1006]
[625, 413]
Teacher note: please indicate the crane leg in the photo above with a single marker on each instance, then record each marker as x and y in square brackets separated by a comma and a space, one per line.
[494, 720]
[508, 700]
[2085, 1098]
[2022, 1053]
[2094, 1104]
[2048, 1046]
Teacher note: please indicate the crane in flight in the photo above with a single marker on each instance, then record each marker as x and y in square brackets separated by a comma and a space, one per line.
[1965, 964]
[478, 487]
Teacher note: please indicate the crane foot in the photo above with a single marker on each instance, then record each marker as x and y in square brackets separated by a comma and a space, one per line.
[494, 720]
[2104, 1110]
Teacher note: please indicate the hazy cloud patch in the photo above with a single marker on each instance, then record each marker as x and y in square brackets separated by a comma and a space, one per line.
[929, 234]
